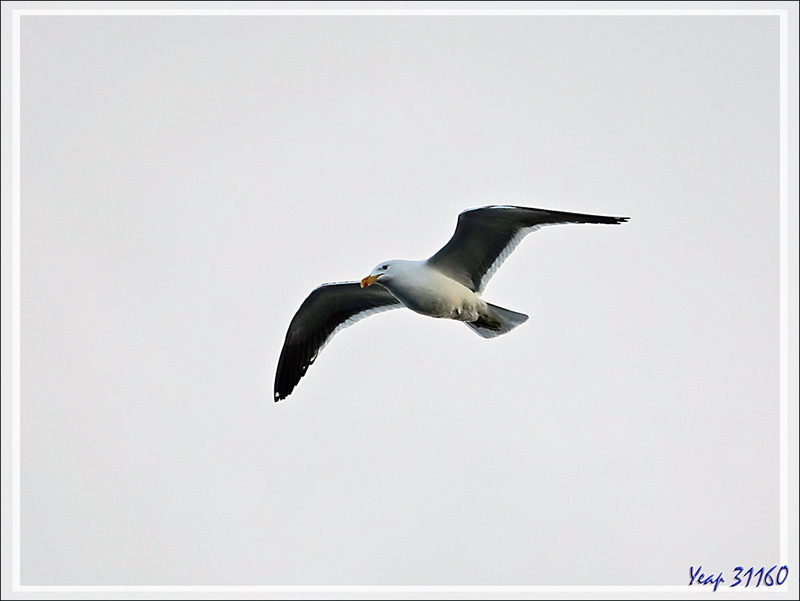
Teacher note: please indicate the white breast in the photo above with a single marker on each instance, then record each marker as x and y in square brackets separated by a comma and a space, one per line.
[426, 290]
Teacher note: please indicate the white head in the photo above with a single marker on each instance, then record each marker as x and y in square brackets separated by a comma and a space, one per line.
[382, 271]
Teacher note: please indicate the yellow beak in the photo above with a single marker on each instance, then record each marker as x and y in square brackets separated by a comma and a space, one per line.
[369, 280]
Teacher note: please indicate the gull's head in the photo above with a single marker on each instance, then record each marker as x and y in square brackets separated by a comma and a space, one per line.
[382, 270]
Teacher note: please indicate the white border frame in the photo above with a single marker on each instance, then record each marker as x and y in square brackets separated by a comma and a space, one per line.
[601, 591]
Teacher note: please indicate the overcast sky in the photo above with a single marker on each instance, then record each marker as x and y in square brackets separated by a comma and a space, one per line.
[187, 181]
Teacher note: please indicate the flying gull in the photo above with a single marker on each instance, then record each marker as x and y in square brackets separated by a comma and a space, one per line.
[448, 284]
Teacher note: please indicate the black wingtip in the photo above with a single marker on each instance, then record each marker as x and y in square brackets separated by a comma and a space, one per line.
[602, 219]
[550, 216]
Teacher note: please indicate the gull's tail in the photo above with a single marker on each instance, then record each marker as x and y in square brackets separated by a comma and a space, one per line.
[496, 321]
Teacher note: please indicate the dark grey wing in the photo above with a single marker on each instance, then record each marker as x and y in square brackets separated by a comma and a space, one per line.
[328, 309]
[486, 236]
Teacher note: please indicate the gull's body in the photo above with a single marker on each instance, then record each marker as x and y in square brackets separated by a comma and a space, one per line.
[447, 285]
[428, 291]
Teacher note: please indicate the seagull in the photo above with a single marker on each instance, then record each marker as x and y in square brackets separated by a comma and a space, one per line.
[447, 285]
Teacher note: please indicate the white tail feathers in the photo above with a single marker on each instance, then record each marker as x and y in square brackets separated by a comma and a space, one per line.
[498, 322]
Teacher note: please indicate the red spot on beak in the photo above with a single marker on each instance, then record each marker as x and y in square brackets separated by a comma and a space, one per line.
[369, 280]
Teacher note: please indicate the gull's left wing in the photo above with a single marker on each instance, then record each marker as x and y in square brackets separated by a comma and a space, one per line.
[486, 236]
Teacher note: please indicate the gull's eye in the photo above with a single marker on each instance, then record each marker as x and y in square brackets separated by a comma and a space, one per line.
[384, 267]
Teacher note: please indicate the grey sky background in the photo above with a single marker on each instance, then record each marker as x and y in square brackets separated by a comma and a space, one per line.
[187, 181]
